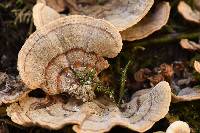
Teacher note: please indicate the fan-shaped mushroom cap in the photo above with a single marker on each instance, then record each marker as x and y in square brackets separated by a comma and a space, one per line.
[57, 5]
[197, 66]
[149, 24]
[11, 89]
[178, 127]
[186, 94]
[189, 45]
[188, 13]
[99, 115]
[43, 14]
[52, 56]
[122, 13]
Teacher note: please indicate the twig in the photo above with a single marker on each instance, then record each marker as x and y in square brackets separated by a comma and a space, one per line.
[165, 39]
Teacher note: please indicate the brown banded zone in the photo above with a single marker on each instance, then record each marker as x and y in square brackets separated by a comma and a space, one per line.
[60, 72]
[60, 36]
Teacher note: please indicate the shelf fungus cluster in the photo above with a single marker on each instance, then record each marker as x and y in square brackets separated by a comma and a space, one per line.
[133, 18]
[98, 115]
[63, 57]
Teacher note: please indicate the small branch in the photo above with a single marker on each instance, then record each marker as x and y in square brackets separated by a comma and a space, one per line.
[165, 39]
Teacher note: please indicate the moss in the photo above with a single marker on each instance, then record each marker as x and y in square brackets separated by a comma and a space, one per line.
[86, 77]
[123, 81]
[188, 112]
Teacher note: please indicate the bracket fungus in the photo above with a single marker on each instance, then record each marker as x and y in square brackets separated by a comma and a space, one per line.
[128, 16]
[11, 89]
[178, 127]
[197, 66]
[43, 14]
[186, 94]
[57, 5]
[122, 13]
[99, 115]
[188, 13]
[189, 45]
[66, 54]
[54, 55]
[149, 24]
